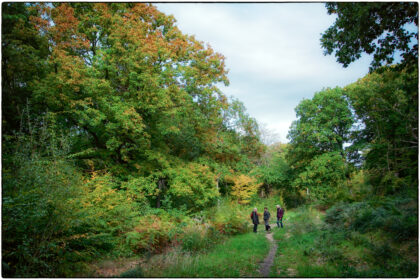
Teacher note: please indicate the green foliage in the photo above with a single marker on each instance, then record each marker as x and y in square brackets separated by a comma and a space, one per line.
[199, 237]
[359, 186]
[293, 199]
[107, 214]
[374, 28]
[23, 54]
[193, 186]
[319, 250]
[55, 220]
[395, 216]
[323, 126]
[193, 241]
[38, 205]
[274, 172]
[153, 234]
[117, 141]
[139, 190]
[324, 178]
[231, 224]
[110, 110]
[316, 153]
[385, 103]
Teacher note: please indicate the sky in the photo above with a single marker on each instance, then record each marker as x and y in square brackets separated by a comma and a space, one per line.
[273, 54]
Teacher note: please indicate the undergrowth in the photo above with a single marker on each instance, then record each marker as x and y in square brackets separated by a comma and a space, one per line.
[238, 256]
[350, 240]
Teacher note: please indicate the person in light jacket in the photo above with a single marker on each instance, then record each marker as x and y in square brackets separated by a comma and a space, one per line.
[254, 218]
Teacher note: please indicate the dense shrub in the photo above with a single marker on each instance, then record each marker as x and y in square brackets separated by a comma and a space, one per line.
[228, 219]
[396, 216]
[153, 234]
[40, 209]
[192, 186]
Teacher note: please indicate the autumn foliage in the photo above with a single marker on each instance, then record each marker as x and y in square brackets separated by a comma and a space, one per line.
[114, 101]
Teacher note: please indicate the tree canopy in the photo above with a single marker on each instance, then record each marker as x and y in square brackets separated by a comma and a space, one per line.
[381, 29]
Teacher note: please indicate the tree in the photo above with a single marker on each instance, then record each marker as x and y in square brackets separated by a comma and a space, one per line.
[23, 55]
[324, 177]
[274, 171]
[143, 125]
[323, 126]
[244, 187]
[374, 28]
[316, 153]
[137, 96]
[386, 103]
[268, 136]
[193, 186]
[128, 78]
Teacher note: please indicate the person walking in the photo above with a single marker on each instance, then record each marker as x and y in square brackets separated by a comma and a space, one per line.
[280, 213]
[254, 218]
[266, 218]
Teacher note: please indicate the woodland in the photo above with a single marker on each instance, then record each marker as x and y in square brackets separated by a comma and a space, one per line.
[121, 156]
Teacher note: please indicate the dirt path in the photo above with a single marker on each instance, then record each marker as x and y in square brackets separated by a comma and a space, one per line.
[268, 261]
[113, 268]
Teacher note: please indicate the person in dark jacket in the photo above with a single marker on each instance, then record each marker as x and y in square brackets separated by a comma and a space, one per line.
[266, 218]
[254, 218]
[280, 213]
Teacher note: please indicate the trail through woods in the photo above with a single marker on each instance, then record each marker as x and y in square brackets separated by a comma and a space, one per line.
[268, 261]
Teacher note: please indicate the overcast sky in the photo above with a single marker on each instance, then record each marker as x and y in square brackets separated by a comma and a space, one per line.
[272, 51]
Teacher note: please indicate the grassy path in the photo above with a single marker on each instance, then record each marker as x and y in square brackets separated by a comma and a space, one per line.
[268, 261]
[299, 242]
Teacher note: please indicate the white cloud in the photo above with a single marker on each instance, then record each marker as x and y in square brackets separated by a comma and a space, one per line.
[272, 51]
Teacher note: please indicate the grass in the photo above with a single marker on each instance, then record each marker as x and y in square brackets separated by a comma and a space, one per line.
[308, 247]
[311, 244]
[295, 255]
[238, 256]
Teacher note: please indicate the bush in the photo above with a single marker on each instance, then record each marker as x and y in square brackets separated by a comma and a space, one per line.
[402, 228]
[152, 234]
[229, 220]
[39, 206]
[396, 216]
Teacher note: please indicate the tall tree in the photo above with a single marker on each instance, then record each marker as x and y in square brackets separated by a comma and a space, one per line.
[387, 105]
[125, 75]
[23, 53]
[323, 125]
[140, 97]
[374, 28]
[316, 153]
